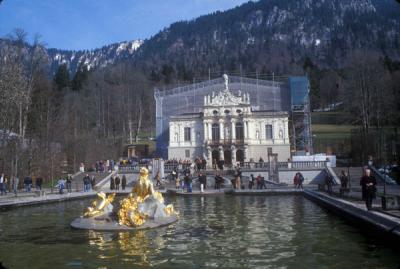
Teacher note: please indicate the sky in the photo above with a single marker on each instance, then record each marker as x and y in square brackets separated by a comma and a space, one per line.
[89, 24]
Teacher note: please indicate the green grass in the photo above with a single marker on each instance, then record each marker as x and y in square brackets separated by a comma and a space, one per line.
[331, 129]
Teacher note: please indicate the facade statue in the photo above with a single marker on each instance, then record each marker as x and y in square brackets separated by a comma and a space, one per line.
[226, 80]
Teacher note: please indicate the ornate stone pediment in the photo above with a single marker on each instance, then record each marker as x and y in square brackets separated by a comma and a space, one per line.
[226, 98]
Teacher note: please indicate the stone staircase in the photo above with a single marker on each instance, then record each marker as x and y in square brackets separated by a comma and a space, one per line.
[355, 174]
[77, 179]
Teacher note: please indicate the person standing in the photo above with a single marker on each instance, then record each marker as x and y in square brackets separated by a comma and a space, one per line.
[204, 164]
[123, 183]
[112, 183]
[61, 185]
[28, 183]
[2, 184]
[177, 183]
[262, 184]
[157, 178]
[218, 180]
[39, 181]
[301, 180]
[296, 180]
[329, 183]
[237, 182]
[6, 185]
[93, 182]
[86, 183]
[368, 184]
[251, 181]
[117, 182]
[344, 179]
[15, 185]
[69, 184]
[202, 180]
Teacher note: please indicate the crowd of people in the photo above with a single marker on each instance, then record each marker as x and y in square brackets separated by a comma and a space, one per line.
[12, 185]
[367, 182]
[116, 182]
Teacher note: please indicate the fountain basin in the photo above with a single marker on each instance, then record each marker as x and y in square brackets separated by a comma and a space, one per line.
[107, 224]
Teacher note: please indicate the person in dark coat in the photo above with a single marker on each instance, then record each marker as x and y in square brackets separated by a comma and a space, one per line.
[204, 164]
[262, 183]
[368, 184]
[329, 183]
[251, 181]
[117, 182]
[112, 183]
[93, 182]
[203, 180]
[39, 182]
[158, 179]
[344, 179]
[86, 183]
[218, 181]
[69, 183]
[28, 183]
[188, 183]
[123, 183]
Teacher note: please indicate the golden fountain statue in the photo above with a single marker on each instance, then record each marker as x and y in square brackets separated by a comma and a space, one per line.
[103, 207]
[143, 208]
[143, 203]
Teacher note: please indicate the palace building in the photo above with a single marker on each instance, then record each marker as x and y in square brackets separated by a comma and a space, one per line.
[233, 119]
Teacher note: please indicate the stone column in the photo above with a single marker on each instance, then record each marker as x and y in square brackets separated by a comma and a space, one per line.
[245, 129]
[233, 130]
[205, 126]
[209, 131]
[233, 152]
[221, 130]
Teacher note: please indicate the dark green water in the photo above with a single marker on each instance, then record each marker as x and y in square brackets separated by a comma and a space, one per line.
[220, 232]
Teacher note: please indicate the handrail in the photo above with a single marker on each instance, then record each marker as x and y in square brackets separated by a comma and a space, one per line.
[245, 166]
[383, 178]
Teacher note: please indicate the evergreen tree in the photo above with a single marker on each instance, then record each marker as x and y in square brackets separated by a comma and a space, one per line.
[80, 78]
[61, 78]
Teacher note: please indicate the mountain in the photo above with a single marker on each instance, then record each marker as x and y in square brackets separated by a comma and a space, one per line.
[93, 58]
[267, 36]
[275, 35]
[96, 58]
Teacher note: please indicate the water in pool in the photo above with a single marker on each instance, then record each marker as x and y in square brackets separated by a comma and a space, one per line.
[219, 231]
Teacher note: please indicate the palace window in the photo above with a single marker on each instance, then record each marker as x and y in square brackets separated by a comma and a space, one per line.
[215, 132]
[187, 134]
[239, 131]
[187, 153]
[268, 131]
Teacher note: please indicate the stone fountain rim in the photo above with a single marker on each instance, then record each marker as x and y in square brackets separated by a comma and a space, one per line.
[103, 225]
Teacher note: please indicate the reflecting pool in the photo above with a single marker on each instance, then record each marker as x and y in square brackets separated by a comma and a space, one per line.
[219, 231]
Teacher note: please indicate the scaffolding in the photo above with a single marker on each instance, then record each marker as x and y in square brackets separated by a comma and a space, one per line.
[300, 115]
[265, 95]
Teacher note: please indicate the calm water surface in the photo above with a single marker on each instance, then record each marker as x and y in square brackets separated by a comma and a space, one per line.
[223, 232]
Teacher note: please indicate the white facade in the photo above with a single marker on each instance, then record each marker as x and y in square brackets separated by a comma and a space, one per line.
[228, 129]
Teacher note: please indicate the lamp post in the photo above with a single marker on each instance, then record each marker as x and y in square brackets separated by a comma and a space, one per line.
[385, 175]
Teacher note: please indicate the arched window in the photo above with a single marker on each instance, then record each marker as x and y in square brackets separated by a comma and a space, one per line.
[239, 131]
[215, 132]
